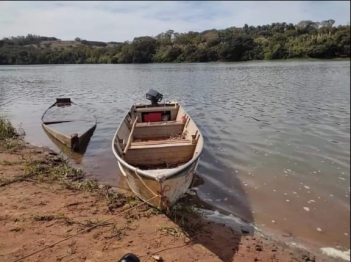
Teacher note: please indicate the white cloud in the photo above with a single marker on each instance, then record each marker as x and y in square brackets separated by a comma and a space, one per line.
[120, 21]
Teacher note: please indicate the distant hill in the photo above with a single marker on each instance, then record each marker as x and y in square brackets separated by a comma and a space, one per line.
[69, 44]
[307, 39]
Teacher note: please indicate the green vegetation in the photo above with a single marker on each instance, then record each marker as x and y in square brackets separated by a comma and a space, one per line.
[8, 133]
[307, 39]
[6, 129]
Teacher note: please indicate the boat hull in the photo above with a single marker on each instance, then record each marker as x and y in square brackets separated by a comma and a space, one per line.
[75, 140]
[163, 191]
[159, 156]
[78, 144]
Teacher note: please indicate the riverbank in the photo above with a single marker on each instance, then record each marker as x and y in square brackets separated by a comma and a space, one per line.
[51, 212]
[308, 59]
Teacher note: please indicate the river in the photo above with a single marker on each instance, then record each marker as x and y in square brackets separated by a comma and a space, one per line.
[277, 134]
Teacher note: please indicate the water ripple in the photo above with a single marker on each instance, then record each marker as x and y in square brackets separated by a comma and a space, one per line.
[268, 127]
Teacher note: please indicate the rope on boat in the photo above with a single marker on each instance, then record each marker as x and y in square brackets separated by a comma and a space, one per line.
[79, 232]
[142, 181]
[160, 194]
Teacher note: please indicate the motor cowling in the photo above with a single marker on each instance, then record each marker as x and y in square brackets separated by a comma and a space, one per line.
[154, 96]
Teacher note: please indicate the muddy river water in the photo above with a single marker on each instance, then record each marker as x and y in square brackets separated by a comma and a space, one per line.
[277, 134]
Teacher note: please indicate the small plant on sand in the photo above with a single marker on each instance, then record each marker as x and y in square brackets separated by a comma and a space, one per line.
[11, 145]
[91, 224]
[185, 216]
[173, 231]
[87, 185]
[43, 217]
[133, 200]
[112, 198]
[117, 232]
[34, 168]
[8, 135]
[152, 211]
[31, 169]
[7, 130]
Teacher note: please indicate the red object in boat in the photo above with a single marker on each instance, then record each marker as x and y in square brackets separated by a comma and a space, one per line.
[153, 117]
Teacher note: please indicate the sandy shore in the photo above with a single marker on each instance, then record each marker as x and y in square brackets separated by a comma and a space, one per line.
[50, 212]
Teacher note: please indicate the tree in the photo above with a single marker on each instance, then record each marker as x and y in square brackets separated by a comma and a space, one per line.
[272, 41]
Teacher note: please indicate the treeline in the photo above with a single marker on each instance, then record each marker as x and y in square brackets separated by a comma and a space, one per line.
[307, 39]
[25, 40]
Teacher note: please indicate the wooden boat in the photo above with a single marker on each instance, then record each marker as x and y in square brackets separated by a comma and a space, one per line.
[73, 133]
[77, 157]
[158, 148]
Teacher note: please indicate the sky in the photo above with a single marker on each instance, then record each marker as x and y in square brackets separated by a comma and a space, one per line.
[122, 21]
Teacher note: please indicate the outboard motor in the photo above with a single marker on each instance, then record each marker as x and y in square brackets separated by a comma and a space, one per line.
[154, 96]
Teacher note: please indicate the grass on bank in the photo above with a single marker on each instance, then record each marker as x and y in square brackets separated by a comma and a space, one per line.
[7, 130]
[9, 135]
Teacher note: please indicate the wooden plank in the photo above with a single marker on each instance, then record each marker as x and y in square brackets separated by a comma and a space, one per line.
[158, 145]
[168, 105]
[66, 121]
[153, 155]
[159, 142]
[60, 137]
[156, 109]
[129, 141]
[169, 123]
[144, 132]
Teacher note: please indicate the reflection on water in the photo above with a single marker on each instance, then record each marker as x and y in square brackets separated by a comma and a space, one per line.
[76, 156]
[277, 134]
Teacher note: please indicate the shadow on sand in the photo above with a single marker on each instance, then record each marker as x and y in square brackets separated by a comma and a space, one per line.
[219, 232]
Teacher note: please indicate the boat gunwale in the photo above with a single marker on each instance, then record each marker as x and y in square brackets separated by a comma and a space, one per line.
[145, 173]
[94, 120]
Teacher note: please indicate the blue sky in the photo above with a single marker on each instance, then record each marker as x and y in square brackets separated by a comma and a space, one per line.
[121, 21]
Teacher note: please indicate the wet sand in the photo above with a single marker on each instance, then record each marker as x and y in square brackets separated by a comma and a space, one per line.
[81, 221]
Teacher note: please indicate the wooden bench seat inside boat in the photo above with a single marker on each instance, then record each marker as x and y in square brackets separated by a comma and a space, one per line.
[157, 129]
[148, 143]
[162, 123]
[158, 154]
[139, 143]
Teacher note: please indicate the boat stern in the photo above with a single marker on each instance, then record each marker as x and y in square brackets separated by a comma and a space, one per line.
[157, 189]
